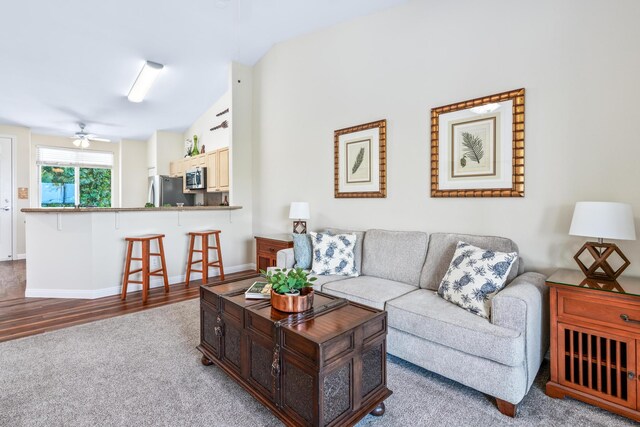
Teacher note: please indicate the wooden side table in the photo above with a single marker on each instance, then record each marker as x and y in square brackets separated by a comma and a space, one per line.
[595, 341]
[267, 246]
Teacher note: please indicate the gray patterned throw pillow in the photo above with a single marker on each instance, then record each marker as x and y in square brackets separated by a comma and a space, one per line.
[475, 276]
[302, 251]
[333, 254]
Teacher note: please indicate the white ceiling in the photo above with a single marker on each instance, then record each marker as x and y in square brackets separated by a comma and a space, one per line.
[62, 62]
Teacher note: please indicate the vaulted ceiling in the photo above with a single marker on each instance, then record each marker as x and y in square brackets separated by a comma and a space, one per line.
[64, 62]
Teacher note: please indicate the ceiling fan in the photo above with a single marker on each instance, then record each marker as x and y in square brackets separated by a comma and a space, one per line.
[82, 138]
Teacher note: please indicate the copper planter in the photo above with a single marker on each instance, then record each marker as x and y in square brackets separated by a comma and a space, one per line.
[293, 303]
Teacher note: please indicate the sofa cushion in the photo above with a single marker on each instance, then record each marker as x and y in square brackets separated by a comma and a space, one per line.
[475, 275]
[367, 290]
[321, 280]
[394, 255]
[357, 251]
[302, 248]
[424, 314]
[443, 245]
[333, 254]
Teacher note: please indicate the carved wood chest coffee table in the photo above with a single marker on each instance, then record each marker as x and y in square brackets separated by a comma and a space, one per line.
[323, 367]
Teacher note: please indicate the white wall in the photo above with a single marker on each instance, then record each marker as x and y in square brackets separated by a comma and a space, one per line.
[133, 173]
[22, 137]
[201, 127]
[163, 147]
[577, 59]
[240, 153]
[170, 148]
[65, 142]
[152, 155]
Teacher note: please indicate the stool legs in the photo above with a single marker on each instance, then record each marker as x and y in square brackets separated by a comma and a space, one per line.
[219, 250]
[190, 260]
[204, 246]
[164, 266]
[145, 270]
[145, 260]
[204, 251]
[127, 269]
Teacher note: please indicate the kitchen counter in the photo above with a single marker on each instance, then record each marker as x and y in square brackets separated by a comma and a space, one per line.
[80, 253]
[167, 208]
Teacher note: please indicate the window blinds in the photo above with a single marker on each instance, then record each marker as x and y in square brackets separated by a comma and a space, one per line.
[69, 157]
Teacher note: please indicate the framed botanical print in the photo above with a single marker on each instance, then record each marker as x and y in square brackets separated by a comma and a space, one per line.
[477, 147]
[360, 161]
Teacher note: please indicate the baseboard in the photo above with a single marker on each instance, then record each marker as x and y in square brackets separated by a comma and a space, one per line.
[20, 256]
[115, 290]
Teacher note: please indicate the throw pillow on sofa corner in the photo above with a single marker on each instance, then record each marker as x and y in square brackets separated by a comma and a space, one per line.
[302, 251]
[475, 276]
[333, 255]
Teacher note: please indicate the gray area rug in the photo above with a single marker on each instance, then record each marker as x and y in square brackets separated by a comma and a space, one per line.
[143, 369]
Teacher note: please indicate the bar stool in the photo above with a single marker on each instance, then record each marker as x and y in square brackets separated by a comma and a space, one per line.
[204, 250]
[145, 258]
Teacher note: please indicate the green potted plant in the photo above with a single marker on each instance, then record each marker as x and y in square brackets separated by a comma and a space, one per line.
[291, 290]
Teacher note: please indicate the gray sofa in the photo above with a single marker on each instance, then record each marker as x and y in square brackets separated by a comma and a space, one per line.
[400, 272]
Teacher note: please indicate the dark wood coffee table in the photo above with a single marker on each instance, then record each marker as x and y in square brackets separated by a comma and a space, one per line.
[324, 367]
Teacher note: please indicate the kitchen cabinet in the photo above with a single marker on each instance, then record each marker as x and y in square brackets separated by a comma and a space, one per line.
[212, 171]
[217, 164]
[218, 170]
[223, 169]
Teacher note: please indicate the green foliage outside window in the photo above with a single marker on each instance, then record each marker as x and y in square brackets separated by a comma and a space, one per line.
[95, 187]
[60, 179]
[57, 187]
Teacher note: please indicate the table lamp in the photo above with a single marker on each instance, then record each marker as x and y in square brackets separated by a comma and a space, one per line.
[298, 212]
[603, 220]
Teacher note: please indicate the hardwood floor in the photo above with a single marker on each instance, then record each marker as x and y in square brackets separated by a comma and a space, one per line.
[21, 317]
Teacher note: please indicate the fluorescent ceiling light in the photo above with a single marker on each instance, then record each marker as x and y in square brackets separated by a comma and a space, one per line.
[148, 75]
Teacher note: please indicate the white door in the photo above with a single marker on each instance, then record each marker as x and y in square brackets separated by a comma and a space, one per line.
[6, 200]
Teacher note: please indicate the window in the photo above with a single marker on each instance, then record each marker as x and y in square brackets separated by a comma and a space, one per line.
[74, 177]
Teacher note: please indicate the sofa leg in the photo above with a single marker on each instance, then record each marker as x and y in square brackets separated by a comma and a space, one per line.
[508, 409]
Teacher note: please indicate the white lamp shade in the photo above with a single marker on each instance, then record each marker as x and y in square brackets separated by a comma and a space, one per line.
[606, 220]
[299, 210]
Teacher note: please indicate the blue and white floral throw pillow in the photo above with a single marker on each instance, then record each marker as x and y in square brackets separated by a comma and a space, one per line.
[333, 254]
[475, 276]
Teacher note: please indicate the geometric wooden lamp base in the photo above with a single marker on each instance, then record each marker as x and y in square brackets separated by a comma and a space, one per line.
[300, 227]
[601, 269]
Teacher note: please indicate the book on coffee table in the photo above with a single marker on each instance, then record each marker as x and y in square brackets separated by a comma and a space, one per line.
[259, 290]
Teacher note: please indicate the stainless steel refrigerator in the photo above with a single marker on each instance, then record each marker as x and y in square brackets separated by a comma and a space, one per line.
[167, 190]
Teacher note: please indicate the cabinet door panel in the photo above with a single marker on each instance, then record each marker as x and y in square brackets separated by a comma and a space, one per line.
[209, 335]
[212, 171]
[598, 363]
[223, 169]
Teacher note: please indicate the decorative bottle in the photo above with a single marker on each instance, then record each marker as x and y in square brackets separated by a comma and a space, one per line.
[195, 150]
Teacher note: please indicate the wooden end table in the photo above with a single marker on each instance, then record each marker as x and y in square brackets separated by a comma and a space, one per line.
[595, 341]
[323, 367]
[267, 247]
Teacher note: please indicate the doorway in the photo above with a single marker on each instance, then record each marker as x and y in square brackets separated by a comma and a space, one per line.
[6, 199]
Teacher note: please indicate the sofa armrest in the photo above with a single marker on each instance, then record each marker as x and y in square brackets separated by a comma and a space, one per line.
[285, 258]
[524, 306]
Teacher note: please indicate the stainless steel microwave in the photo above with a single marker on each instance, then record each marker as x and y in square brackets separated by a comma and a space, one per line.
[196, 179]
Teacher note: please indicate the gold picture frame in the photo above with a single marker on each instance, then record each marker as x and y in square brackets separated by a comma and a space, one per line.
[360, 161]
[482, 151]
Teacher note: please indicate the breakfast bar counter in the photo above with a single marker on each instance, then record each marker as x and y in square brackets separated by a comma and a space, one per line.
[164, 208]
[80, 252]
